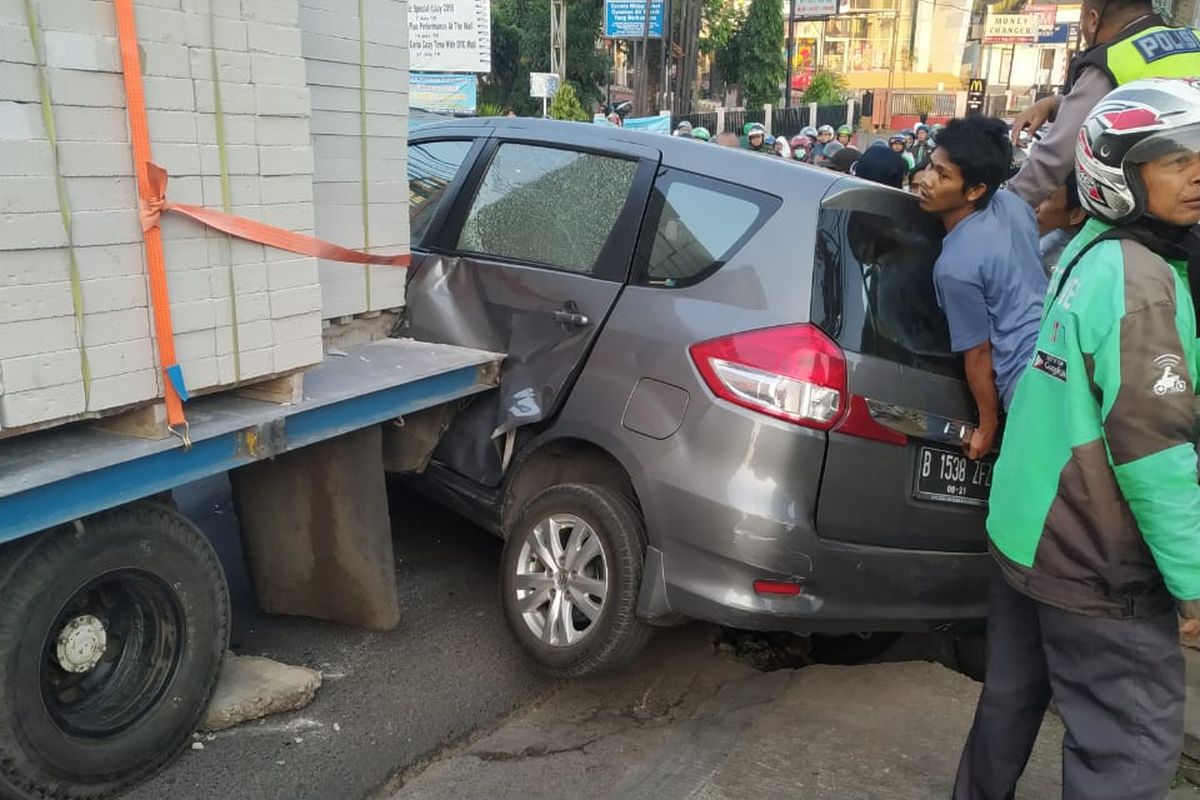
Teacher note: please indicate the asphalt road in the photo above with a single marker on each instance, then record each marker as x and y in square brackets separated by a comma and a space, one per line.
[389, 699]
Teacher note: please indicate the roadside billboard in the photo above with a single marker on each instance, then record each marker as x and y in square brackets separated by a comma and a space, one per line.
[1011, 29]
[812, 9]
[626, 19]
[450, 35]
[448, 92]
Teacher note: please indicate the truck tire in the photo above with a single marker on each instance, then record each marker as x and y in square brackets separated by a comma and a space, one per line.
[570, 577]
[112, 634]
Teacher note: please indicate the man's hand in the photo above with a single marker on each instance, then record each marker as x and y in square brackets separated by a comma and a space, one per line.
[1033, 118]
[1189, 610]
[981, 442]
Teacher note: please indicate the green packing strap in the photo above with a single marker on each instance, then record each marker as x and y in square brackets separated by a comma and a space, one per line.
[362, 134]
[64, 203]
[226, 202]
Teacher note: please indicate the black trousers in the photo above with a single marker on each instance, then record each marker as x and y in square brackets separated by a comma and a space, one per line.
[1117, 683]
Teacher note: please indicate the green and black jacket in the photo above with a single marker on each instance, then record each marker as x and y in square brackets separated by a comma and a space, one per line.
[1095, 505]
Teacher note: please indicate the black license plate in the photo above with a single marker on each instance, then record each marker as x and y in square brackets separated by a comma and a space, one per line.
[947, 476]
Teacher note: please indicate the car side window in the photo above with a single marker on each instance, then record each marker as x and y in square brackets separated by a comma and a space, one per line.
[697, 224]
[547, 206]
[432, 167]
[873, 288]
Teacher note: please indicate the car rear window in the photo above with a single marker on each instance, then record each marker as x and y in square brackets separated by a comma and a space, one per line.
[697, 223]
[873, 288]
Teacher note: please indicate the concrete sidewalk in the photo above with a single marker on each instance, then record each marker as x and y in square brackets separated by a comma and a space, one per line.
[689, 723]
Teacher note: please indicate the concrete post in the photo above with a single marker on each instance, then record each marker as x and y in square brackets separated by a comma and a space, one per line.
[767, 109]
[850, 113]
[317, 533]
[720, 120]
[812, 114]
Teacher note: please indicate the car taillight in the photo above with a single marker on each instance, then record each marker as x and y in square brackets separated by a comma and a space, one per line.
[794, 373]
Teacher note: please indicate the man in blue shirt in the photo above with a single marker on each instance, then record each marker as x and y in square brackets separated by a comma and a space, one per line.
[989, 277]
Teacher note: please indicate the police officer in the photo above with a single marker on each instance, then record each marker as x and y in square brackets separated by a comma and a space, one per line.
[824, 137]
[1126, 41]
[1095, 507]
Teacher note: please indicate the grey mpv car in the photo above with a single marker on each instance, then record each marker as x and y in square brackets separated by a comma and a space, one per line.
[729, 393]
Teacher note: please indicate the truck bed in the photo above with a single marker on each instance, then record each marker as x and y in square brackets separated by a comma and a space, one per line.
[59, 475]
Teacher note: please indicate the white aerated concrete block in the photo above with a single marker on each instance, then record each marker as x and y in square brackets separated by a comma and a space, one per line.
[277, 39]
[267, 96]
[293, 355]
[82, 51]
[120, 391]
[19, 409]
[42, 371]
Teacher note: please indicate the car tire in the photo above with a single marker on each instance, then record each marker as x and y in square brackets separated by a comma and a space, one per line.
[611, 537]
[112, 635]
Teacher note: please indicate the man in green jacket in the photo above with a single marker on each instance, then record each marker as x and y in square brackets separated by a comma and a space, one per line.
[1095, 505]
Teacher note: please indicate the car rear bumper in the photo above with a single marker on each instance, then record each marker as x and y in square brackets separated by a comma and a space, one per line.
[844, 589]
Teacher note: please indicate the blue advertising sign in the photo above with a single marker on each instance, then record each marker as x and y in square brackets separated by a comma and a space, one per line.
[1059, 35]
[626, 19]
[442, 91]
[659, 124]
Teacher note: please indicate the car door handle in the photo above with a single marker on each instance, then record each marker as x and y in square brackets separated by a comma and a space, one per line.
[571, 318]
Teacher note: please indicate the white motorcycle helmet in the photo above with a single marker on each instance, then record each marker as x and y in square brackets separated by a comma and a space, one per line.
[1134, 124]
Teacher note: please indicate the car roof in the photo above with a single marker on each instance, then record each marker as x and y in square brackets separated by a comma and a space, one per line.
[773, 175]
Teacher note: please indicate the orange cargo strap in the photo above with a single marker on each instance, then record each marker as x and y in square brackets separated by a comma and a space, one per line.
[139, 132]
[152, 185]
[252, 230]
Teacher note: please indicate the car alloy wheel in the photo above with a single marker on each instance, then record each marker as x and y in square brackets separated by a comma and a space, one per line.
[562, 580]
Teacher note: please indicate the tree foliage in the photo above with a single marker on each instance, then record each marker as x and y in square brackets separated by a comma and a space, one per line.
[762, 64]
[826, 89]
[722, 23]
[521, 44]
[566, 105]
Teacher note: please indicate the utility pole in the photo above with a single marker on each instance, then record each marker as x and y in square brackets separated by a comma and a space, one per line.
[791, 54]
[643, 82]
[558, 39]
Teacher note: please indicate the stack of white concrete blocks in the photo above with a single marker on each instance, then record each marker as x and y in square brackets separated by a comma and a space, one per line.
[340, 94]
[270, 139]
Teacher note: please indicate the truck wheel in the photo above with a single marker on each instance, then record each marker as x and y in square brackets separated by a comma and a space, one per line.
[112, 634]
[570, 577]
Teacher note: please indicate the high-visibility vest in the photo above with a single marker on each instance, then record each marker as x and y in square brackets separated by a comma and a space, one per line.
[1147, 50]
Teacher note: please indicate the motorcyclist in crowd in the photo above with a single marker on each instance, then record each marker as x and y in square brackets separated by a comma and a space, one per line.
[811, 133]
[824, 138]
[756, 139]
[744, 138]
[1060, 217]
[922, 145]
[1094, 515]
[701, 133]
[844, 159]
[899, 145]
[910, 139]
[683, 130]
[1126, 41]
[843, 135]
[881, 164]
[830, 150]
[728, 139]
[801, 146]
[780, 144]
